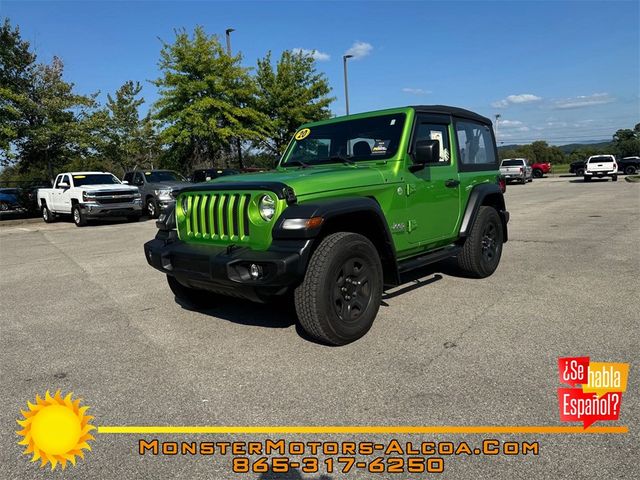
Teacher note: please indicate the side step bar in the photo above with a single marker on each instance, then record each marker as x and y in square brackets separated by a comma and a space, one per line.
[432, 257]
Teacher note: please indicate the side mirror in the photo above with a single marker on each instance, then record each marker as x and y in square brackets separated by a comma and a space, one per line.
[125, 182]
[63, 185]
[426, 151]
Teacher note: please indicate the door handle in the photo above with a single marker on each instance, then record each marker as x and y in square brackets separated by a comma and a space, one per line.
[451, 183]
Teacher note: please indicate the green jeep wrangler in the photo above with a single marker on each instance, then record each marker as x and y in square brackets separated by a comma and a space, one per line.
[354, 203]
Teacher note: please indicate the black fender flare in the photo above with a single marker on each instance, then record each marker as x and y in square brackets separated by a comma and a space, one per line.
[477, 198]
[333, 209]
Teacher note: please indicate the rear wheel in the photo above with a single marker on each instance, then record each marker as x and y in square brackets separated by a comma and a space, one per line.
[630, 170]
[78, 217]
[614, 178]
[537, 173]
[47, 216]
[192, 296]
[482, 250]
[340, 295]
[580, 172]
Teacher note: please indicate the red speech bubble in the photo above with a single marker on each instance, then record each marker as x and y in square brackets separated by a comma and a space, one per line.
[573, 370]
[577, 406]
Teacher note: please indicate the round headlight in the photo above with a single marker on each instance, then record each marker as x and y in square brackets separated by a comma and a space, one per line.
[267, 207]
[185, 205]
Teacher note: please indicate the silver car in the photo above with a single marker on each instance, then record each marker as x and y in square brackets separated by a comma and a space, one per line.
[516, 169]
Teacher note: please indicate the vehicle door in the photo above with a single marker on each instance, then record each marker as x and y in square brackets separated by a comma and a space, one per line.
[138, 181]
[432, 190]
[57, 192]
[64, 195]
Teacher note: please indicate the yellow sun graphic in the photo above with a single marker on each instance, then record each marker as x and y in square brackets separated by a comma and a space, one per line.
[55, 430]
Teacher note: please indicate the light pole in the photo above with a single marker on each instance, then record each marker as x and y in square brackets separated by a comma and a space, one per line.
[227, 33]
[346, 86]
[496, 127]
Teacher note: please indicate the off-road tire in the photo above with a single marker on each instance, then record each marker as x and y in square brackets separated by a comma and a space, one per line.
[192, 296]
[344, 264]
[47, 215]
[78, 217]
[475, 258]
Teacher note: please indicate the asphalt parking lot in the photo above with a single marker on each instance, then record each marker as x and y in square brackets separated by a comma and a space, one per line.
[83, 312]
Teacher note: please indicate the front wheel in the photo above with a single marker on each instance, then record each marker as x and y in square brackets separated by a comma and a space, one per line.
[152, 208]
[78, 217]
[630, 170]
[340, 295]
[579, 172]
[482, 250]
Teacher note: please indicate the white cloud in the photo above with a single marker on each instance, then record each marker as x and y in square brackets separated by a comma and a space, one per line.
[516, 99]
[359, 50]
[510, 123]
[315, 54]
[584, 101]
[416, 91]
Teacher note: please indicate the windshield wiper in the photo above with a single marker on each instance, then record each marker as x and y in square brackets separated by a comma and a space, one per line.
[340, 158]
[291, 163]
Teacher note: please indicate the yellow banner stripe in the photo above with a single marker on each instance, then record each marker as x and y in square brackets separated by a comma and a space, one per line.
[356, 429]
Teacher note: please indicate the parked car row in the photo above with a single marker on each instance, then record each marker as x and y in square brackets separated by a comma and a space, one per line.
[90, 195]
[626, 165]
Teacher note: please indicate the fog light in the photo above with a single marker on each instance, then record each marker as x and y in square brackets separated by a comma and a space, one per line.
[255, 271]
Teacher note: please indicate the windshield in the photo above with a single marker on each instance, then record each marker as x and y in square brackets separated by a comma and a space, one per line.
[512, 163]
[95, 179]
[163, 176]
[373, 138]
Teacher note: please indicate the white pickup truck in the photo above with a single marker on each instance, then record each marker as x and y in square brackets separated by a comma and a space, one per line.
[87, 195]
[601, 166]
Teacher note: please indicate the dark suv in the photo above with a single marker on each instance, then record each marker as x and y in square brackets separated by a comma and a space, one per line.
[156, 187]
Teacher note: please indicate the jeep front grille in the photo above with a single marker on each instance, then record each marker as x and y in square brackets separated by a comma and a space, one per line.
[218, 216]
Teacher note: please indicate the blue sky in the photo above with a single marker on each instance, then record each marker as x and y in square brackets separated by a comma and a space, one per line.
[558, 71]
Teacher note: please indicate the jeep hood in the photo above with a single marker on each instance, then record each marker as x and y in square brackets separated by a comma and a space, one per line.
[311, 180]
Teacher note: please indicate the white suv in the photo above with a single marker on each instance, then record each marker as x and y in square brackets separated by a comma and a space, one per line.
[601, 166]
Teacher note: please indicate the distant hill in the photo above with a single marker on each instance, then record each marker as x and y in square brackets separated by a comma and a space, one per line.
[570, 147]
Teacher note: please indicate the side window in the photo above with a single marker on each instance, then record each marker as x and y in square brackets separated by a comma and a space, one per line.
[475, 146]
[435, 131]
[58, 181]
[63, 179]
[128, 177]
[137, 179]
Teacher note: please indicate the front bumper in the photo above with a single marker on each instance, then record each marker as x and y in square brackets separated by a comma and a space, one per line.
[226, 270]
[98, 210]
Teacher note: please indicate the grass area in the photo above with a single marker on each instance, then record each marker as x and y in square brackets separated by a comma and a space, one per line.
[561, 168]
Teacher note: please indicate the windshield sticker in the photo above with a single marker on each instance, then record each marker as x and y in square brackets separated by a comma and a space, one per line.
[79, 176]
[302, 134]
[379, 148]
[393, 121]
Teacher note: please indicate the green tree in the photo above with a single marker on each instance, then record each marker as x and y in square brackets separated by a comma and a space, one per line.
[17, 64]
[626, 142]
[292, 94]
[206, 100]
[128, 140]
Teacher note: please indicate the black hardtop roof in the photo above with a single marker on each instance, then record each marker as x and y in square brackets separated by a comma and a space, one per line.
[455, 111]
